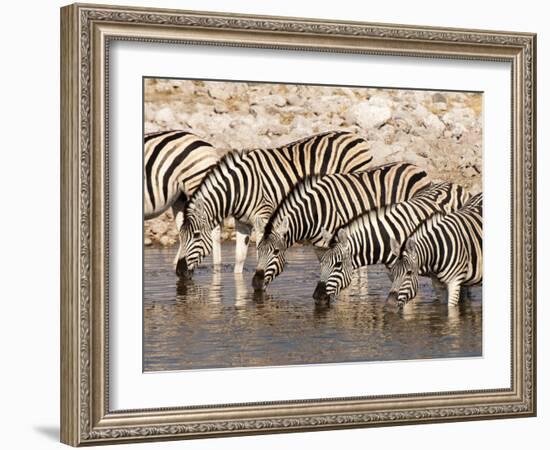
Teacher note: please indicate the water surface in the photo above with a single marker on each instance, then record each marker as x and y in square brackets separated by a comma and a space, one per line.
[216, 321]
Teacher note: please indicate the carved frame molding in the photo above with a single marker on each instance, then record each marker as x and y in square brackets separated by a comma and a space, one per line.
[86, 31]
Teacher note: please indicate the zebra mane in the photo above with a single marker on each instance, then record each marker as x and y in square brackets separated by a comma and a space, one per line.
[437, 215]
[268, 229]
[231, 156]
[353, 223]
[297, 141]
[309, 137]
[474, 202]
[309, 179]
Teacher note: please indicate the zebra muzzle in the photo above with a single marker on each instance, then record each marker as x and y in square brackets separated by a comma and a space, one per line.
[258, 281]
[181, 269]
[393, 300]
[320, 292]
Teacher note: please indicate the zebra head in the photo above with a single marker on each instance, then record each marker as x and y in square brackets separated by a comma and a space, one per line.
[271, 255]
[404, 273]
[336, 268]
[195, 239]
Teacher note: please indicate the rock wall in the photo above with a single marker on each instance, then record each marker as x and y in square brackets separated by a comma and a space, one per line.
[439, 131]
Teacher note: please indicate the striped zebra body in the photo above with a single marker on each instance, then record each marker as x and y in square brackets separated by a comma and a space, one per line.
[319, 205]
[174, 164]
[249, 186]
[447, 247]
[368, 239]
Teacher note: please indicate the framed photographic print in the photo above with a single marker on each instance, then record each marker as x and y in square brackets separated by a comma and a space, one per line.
[278, 224]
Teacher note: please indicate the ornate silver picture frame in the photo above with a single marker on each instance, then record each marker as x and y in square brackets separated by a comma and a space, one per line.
[87, 32]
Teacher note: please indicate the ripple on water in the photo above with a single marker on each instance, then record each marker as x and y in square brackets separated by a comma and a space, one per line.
[216, 320]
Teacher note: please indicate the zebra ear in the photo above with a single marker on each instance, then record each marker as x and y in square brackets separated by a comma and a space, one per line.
[410, 246]
[182, 186]
[326, 237]
[284, 226]
[343, 235]
[345, 245]
[199, 207]
[395, 247]
[259, 225]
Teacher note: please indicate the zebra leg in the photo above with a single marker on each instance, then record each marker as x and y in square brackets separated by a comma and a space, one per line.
[216, 246]
[453, 292]
[439, 288]
[243, 231]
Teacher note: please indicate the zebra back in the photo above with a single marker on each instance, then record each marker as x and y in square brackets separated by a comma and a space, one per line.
[250, 184]
[370, 234]
[175, 162]
[320, 204]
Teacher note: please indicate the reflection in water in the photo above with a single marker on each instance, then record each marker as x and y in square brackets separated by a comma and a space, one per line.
[216, 319]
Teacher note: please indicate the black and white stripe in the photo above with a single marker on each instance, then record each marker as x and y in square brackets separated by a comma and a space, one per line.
[368, 239]
[319, 205]
[447, 247]
[250, 185]
[175, 162]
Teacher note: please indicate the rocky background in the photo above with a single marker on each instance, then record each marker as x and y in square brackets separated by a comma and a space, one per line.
[438, 131]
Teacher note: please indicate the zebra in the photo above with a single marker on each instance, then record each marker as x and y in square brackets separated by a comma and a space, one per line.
[174, 164]
[320, 204]
[447, 247]
[248, 185]
[367, 239]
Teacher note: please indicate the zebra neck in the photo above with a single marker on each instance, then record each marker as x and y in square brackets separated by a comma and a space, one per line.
[421, 208]
[230, 190]
[428, 260]
[302, 232]
[402, 221]
[370, 238]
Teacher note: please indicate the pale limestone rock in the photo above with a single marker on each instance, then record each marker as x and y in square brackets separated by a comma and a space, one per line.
[419, 113]
[369, 115]
[165, 117]
[438, 97]
[219, 91]
[159, 227]
[432, 123]
[150, 127]
[220, 107]
[295, 100]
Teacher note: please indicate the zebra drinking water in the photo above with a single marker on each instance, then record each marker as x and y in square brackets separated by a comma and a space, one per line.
[320, 204]
[367, 239]
[174, 164]
[249, 185]
[447, 247]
